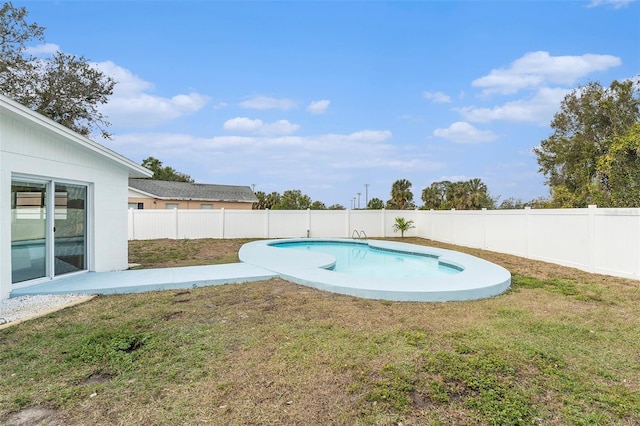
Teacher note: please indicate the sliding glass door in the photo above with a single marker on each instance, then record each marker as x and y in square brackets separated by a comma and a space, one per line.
[48, 229]
[69, 245]
[28, 230]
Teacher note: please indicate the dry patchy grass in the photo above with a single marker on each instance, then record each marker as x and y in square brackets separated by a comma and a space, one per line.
[560, 347]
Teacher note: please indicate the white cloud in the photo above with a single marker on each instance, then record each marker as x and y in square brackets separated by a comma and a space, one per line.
[43, 49]
[131, 106]
[244, 124]
[437, 97]
[265, 102]
[536, 69]
[462, 132]
[292, 156]
[280, 127]
[617, 4]
[370, 136]
[318, 107]
[539, 109]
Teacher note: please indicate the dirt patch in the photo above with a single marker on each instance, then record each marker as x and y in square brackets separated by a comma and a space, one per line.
[98, 378]
[33, 416]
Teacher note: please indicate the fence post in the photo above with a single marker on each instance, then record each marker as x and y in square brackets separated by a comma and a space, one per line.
[484, 228]
[384, 222]
[175, 215]
[308, 222]
[591, 237]
[222, 223]
[266, 223]
[431, 220]
[348, 223]
[527, 232]
[453, 226]
[132, 225]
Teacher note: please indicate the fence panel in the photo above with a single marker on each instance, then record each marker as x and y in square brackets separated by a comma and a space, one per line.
[288, 223]
[469, 228]
[193, 224]
[152, 224]
[506, 232]
[440, 226]
[246, 223]
[596, 240]
[615, 243]
[560, 235]
[327, 223]
[369, 221]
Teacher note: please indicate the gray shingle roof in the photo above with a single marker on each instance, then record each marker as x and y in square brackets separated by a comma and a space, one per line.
[193, 191]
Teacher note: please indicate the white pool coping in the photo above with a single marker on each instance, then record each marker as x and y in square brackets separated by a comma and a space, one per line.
[478, 279]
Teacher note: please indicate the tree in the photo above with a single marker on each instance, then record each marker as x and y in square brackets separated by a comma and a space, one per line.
[621, 165]
[512, 203]
[318, 205]
[164, 173]
[375, 204]
[403, 225]
[15, 32]
[401, 194]
[462, 195]
[434, 196]
[65, 88]
[589, 120]
[267, 201]
[293, 199]
[336, 207]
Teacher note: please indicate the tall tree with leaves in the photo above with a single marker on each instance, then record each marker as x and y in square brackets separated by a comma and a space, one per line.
[167, 173]
[65, 88]
[267, 201]
[461, 195]
[401, 195]
[375, 204]
[589, 120]
[293, 199]
[621, 165]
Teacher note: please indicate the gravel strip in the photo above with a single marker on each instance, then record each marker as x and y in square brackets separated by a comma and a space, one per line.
[18, 308]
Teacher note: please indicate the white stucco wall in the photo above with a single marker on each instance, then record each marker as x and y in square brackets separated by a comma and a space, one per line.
[33, 146]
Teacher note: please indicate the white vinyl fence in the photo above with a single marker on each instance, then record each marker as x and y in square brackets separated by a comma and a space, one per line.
[605, 241]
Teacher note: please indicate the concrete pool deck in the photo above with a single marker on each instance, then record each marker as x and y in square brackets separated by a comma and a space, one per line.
[262, 261]
[142, 280]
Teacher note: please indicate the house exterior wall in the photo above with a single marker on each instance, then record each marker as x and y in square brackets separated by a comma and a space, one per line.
[155, 203]
[34, 150]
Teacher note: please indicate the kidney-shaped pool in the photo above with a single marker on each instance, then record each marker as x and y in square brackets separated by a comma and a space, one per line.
[377, 269]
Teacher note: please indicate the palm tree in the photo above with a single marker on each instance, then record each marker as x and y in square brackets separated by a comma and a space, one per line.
[402, 225]
[401, 193]
[477, 194]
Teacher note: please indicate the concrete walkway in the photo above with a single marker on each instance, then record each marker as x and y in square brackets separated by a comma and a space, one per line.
[141, 280]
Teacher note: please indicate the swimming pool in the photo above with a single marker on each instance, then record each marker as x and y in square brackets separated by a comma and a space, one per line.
[469, 278]
[360, 258]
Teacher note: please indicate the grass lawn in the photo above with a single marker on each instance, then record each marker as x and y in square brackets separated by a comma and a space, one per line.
[561, 347]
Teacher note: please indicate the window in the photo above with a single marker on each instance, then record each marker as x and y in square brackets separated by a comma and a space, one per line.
[206, 206]
[171, 206]
[136, 206]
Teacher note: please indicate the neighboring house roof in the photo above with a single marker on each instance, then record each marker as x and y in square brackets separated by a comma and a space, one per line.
[166, 190]
[12, 108]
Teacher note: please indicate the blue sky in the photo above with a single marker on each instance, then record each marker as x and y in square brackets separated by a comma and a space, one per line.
[326, 97]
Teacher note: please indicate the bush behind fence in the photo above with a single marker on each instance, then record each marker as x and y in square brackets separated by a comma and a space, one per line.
[597, 240]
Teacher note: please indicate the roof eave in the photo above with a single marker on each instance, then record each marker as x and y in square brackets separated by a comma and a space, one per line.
[21, 111]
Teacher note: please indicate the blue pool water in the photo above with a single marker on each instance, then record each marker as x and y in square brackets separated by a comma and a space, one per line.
[362, 259]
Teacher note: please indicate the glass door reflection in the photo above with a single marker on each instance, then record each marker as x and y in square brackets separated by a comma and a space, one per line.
[69, 228]
[28, 230]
